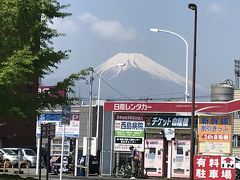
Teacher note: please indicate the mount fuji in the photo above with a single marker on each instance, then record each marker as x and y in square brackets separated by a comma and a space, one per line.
[139, 78]
[142, 63]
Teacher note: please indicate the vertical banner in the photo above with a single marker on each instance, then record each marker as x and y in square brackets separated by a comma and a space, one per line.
[214, 167]
[129, 131]
[215, 135]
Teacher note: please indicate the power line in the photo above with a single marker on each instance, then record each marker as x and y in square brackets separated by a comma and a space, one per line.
[114, 88]
[163, 94]
[158, 99]
[150, 96]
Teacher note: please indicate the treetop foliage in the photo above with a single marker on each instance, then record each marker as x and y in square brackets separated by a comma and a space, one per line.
[27, 54]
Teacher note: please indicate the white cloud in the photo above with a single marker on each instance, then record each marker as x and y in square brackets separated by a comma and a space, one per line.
[113, 30]
[88, 18]
[65, 25]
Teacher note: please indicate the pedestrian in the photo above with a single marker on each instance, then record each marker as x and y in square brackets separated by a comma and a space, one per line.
[135, 158]
[82, 166]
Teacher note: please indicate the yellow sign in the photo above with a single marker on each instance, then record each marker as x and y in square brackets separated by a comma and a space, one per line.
[215, 134]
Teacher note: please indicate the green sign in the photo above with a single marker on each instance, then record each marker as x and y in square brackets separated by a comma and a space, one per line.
[121, 133]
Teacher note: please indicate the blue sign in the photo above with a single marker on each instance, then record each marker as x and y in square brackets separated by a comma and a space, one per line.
[71, 130]
[50, 117]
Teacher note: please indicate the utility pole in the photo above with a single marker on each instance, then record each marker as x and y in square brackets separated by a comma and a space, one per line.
[89, 127]
[194, 8]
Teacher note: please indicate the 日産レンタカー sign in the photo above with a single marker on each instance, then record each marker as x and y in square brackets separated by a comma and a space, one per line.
[173, 107]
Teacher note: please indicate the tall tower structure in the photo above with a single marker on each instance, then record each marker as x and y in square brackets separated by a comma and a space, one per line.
[237, 73]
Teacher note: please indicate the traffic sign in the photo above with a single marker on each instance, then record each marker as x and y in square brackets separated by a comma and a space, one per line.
[66, 114]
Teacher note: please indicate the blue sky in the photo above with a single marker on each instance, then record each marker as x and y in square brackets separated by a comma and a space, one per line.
[100, 29]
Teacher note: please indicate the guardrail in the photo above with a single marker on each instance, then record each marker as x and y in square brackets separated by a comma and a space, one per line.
[6, 165]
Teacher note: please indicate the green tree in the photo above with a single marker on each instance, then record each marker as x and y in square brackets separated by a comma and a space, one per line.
[27, 54]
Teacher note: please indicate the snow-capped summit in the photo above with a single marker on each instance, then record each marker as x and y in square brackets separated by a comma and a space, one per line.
[139, 62]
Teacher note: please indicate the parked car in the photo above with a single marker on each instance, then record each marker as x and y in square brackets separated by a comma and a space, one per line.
[1, 158]
[9, 155]
[28, 155]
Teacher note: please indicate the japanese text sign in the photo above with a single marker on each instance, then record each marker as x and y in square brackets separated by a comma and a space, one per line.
[215, 132]
[214, 167]
[129, 125]
[168, 121]
[128, 131]
[172, 107]
[132, 107]
[71, 130]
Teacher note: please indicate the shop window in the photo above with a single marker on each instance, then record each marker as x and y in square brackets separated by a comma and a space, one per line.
[237, 114]
[234, 144]
[236, 141]
[180, 150]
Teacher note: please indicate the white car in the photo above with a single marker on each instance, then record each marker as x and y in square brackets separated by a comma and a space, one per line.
[28, 155]
[9, 155]
[1, 159]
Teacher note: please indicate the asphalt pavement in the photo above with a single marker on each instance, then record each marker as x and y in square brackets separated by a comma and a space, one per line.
[31, 172]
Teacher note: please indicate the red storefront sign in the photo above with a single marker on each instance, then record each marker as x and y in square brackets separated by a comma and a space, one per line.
[214, 167]
[207, 107]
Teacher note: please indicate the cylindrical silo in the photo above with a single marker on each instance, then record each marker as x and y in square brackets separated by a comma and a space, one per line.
[223, 91]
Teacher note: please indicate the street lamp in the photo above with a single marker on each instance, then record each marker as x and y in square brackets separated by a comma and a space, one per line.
[186, 44]
[98, 100]
[194, 8]
[89, 126]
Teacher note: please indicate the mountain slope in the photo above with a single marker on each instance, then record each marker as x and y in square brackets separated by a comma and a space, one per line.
[140, 62]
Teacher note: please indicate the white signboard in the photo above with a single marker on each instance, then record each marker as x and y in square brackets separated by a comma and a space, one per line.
[214, 147]
[71, 130]
[169, 133]
[129, 133]
[228, 162]
[93, 146]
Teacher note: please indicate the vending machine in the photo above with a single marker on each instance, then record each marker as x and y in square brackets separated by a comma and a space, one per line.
[181, 158]
[155, 157]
